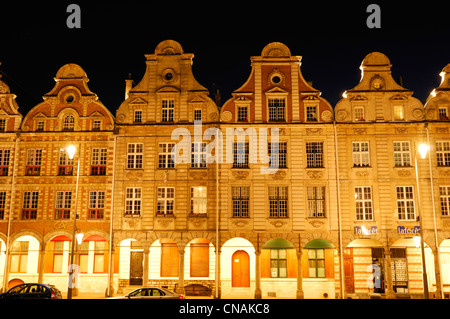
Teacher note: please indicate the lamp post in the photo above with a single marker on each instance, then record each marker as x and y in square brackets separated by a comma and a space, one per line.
[423, 149]
[71, 149]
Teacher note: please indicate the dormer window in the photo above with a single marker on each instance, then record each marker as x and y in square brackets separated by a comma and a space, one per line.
[69, 123]
[443, 114]
[138, 116]
[311, 113]
[242, 113]
[399, 113]
[359, 113]
[277, 110]
[2, 125]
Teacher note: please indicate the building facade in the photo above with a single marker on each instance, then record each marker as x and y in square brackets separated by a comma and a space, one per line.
[277, 193]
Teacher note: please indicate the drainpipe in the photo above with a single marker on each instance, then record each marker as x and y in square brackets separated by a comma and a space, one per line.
[109, 291]
[341, 250]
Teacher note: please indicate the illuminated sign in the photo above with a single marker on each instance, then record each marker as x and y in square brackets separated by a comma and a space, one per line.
[408, 229]
[366, 231]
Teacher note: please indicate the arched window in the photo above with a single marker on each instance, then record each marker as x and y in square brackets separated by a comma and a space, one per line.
[69, 123]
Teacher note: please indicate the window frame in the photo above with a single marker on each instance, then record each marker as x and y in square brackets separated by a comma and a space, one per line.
[63, 204]
[167, 110]
[133, 201]
[164, 201]
[403, 213]
[363, 204]
[314, 155]
[135, 155]
[315, 202]
[278, 201]
[165, 158]
[96, 208]
[443, 153]
[240, 198]
[402, 157]
[30, 205]
[361, 156]
[99, 159]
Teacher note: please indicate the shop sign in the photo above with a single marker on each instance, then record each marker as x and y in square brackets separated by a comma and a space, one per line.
[366, 231]
[408, 229]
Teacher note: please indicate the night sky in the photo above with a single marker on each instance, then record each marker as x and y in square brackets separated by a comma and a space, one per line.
[332, 38]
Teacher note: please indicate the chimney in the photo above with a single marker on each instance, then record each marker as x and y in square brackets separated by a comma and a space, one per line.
[128, 85]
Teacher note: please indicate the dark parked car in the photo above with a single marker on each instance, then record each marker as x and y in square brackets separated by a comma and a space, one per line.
[150, 293]
[32, 291]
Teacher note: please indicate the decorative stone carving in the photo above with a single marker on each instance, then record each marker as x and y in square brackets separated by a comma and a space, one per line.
[362, 173]
[315, 174]
[316, 223]
[359, 131]
[401, 130]
[198, 174]
[279, 175]
[404, 173]
[313, 131]
[278, 223]
[240, 222]
[327, 116]
[240, 174]
[341, 115]
[214, 116]
[226, 116]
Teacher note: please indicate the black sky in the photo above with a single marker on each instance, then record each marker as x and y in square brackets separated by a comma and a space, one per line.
[332, 38]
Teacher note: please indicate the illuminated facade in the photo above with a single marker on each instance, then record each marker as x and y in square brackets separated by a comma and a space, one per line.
[343, 199]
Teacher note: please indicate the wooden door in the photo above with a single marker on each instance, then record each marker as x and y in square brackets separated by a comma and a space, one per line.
[136, 267]
[348, 271]
[240, 269]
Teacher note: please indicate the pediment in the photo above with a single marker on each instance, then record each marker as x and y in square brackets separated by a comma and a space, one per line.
[398, 97]
[138, 100]
[168, 89]
[277, 90]
[358, 98]
[97, 114]
[197, 99]
[40, 115]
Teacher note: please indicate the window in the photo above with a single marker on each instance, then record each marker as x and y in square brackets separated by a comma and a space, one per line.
[167, 110]
[165, 155]
[361, 156]
[443, 153]
[198, 155]
[359, 113]
[40, 126]
[399, 270]
[99, 256]
[34, 157]
[62, 207]
[19, 256]
[2, 205]
[398, 113]
[402, 156]
[276, 109]
[278, 160]
[69, 123]
[2, 125]
[198, 200]
[311, 113]
[199, 258]
[363, 203]
[135, 155]
[405, 203]
[278, 202]
[241, 197]
[197, 115]
[96, 125]
[314, 154]
[166, 201]
[138, 116]
[65, 164]
[240, 155]
[98, 163]
[445, 200]
[4, 162]
[443, 114]
[96, 204]
[316, 263]
[242, 114]
[83, 257]
[58, 252]
[133, 201]
[316, 202]
[169, 259]
[278, 263]
[30, 204]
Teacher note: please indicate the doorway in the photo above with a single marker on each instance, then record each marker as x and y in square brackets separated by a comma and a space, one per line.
[136, 267]
[240, 269]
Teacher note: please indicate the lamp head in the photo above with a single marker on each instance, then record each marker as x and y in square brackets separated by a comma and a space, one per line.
[423, 149]
[71, 149]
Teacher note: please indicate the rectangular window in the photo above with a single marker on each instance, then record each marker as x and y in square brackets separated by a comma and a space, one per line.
[96, 125]
[278, 160]
[443, 153]
[98, 163]
[241, 198]
[399, 268]
[138, 116]
[40, 126]
[278, 263]
[133, 201]
[314, 154]
[2, 125]
[445, 200]
[167, 110]
[240, 155]
[4, 162]
[405, 203]
[199, 259]
[62, 206]
[361, 155]
[198, 155]
[58, 252]
[2, 205]
[166, 201]
[135, 155]
[311, 113]
[169, 259]
[165, 155]
[65, 164]
[399, 113]
[198, 200]
[316, 263]
[96, 205]
[363, 203]
[316, 202]
[278, 202]
[443, 114]
[30, 205]
[34, 157]
[242, 114]
[359, 113]
[402, 154]
[197, 115]
[277, 109]
[19, 257]
[99, 256]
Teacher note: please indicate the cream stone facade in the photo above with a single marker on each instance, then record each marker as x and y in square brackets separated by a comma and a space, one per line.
[275, 193]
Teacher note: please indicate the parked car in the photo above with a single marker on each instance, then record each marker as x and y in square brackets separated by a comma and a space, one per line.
[32, 291]
[150, 293]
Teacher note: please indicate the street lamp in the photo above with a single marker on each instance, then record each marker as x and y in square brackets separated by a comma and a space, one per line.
[423, 149]
[71, 149]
